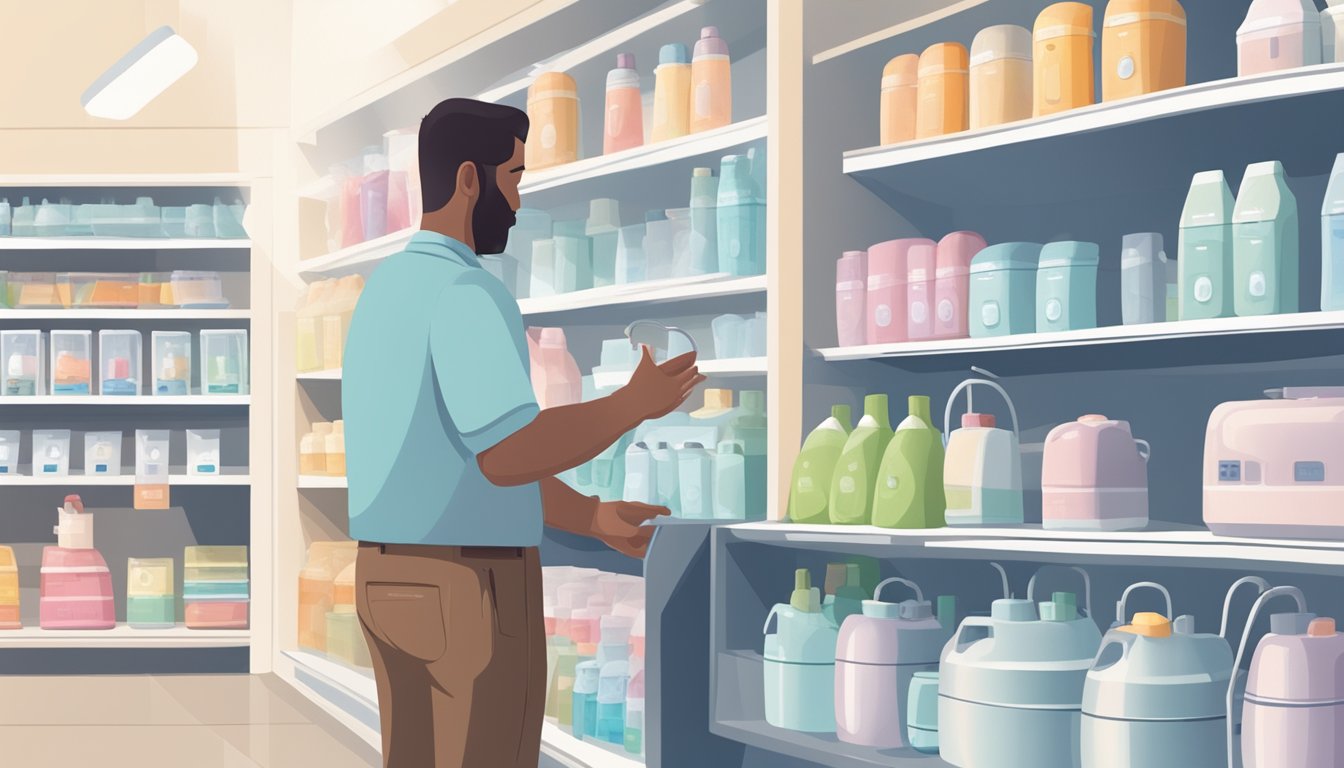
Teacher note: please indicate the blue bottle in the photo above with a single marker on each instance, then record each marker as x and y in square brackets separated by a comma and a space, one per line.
[695, 469]
[741, 219]
[611, 702]
[704, 222]
[1066, 286]
[1332, 239]
[641, 479]
[748, 427]
[586, 677]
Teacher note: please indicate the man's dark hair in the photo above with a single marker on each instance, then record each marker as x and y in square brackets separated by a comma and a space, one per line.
[461, 131]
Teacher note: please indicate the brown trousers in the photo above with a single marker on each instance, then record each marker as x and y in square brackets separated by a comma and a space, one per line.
[459, 653]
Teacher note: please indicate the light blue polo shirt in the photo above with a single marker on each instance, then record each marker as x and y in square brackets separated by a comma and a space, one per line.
[435, 372]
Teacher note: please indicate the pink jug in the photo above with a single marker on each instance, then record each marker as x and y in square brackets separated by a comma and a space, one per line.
[888, 305]
[921, 262]
[1094, 476]
[850, 298]
[1294, 711]
[951, 292]
[877, 654]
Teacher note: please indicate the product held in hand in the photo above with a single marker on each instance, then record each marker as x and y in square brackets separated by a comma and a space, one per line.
[1094, 476]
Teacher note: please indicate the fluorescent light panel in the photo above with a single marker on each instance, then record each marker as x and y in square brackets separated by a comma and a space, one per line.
[137, 78]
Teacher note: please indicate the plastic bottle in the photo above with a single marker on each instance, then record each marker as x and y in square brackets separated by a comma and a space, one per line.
[810, 489]
[704, 239]
[749, 427]
[900, 99]
[658, 256]
[603, 230]
[741, 219]
[910, 481]
[624, 126]
[312, 450]
[1143, 279]
[587, 676]
[1204, 251]
[851, 292]
[335, 449]
[1062, 58]
[695, 474]
[711, 83]
[671, 93]
[641, 479]
[553, 111]
[730, 482]
[1332, 237]
[665, 467]
[611, 688]
[1000, 76]
[373, 193]
[943, 90]
[634, 714]
[921, 280]
[573, 257]
[851, 501]
[1264, 243]
[6, 218]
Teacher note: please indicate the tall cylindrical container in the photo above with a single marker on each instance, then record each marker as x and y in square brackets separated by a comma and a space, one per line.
[553, 111]
[711, 83]
[943, 90]
[624, 124]
[1000, 76]
[900, 99]
[671, 93]
[1062, 59]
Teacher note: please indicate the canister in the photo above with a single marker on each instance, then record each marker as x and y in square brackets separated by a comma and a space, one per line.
[1264, 243]
[951, 291]
[1062, 58]
[1204, 251]
[1332, 237]
[799, 668]
[1000, 75]
[1278, 35]
[943, 90]
[1142, 48]
[1143, 279]
[553, 111]
[1066, 286]
[1332, 34]
[900, 99]
[1003, 290]
[922, 718]
[921, 267]
[887, 307]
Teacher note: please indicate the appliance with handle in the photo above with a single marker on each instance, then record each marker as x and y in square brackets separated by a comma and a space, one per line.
[1011, 684]
[982, 471]
[799, 662]
[1155, 696]
[1275, 467]
[1094, 476]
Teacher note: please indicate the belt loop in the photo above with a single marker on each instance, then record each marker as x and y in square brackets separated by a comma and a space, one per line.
[382, 549]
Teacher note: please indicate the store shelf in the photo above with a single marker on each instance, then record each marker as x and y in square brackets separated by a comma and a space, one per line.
[820, 748]
[679, 289]
[129, 400]
[739, 366]
[129, 315]
[349, 695]
[230, 478]
[321, 481]
[1189, 123]
[331, 374]
[146, 180]
[355, 257]
[1115, 334]
[125, 637]
[561, 746]
[120, 244]
[647, 156]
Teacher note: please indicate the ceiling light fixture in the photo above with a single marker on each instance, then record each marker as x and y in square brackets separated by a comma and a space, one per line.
[146, 71]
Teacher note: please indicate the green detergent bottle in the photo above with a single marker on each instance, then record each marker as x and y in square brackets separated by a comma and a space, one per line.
[910, 480]
[856, 473]
[810, 490]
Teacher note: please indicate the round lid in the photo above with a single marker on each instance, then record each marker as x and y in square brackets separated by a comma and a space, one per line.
[552, 82]
[1006, 256]
[710, 44]
[1004, 41]
[674, 53]
[1123, 12]
[1070, 253]
[1092, 418]
[702, 172]
[625, 61]
[880, 609]
[977, 420]
[943, 57]
[901, 71]
[1063, 19]
[1009, 609]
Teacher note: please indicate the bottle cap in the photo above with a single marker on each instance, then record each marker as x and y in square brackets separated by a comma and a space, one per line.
[977, 420]
[1322, 627]
[875, 404]
[916, 610]
[674, 53]
[625, 61]
[699, 172]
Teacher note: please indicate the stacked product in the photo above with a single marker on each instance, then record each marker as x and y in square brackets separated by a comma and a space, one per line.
[322, 451]
[891, 478]
[374, 194]
[76, 585]
[9, 590]
[317, 590]
[112, 290]
[736, 336]
[151, 596]
[215, 587]
[323, 320]
[141, 219]
[51, 449]
[345, 638]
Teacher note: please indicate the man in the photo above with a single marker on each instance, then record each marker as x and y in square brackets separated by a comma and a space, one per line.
[452, 466]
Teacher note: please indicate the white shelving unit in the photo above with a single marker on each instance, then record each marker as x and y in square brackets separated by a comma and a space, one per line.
[120, 244]
[230, 478]
[322, 482]
[162, 401]
[130, 315]
[124, 637]
[674, 290]
[739, 367]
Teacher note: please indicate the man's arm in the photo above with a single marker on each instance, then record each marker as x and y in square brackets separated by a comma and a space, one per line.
[565, 437]
[616, 524]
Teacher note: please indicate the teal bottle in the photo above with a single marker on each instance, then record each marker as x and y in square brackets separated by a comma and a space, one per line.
[730, 481]
[748, 427]
[855, 476]
[1204, 251]
[586, 679]
[810, 489]
[695, 475]
[741, 219]
[704, 222]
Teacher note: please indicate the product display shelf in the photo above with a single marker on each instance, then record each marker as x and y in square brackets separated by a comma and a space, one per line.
[1115, 334]
[124, 636]
[821, 748]
[231, 477]
[136, 180]
[560, 745]
[355, 257]
[350, 695]
[321, 481]
[330, 374]
[645, 293]
[732, 367]
[99, 313]
[121, 244]
[129, 400]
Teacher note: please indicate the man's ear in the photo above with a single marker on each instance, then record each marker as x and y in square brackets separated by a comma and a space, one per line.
[468, 183]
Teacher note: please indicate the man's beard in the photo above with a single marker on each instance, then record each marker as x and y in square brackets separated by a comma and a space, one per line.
[492, 217]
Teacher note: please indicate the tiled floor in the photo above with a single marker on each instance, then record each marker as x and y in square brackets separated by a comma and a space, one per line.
[187, 721]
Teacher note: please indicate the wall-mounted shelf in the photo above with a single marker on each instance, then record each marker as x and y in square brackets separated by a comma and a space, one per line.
[129, 315]
[129, 400]
[351, 259]
[146, 180]
[124, 637]
[120, 244]
[330, 374]
[230, 478]
[321, 481]
[731, 367]
[645, 293]
[560, 745]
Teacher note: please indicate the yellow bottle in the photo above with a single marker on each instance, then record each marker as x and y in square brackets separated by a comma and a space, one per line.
[553, 111]
[900, 99]
[1000, 76]
[335, 449]
[313, 450]
[1062, 61]
[711, 83]
[943, 90]
[336, 320]
[671, 93]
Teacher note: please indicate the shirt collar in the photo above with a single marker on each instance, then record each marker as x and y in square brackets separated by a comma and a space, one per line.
[443, 246]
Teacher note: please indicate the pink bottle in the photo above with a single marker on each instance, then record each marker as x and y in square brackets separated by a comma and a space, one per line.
[887, 309]
[76, 590]
[1294, 711]
[921, 262]
[851, 298]
[876, 656]
[624, 126]
[951, 292]
[1094, 476]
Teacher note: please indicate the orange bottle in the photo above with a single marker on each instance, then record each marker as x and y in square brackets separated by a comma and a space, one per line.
[711, 82]
[944, 90]
[1062, 59]
[553, 111]
[900, 99]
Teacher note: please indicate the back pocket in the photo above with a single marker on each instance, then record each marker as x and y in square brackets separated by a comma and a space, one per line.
[409, 617]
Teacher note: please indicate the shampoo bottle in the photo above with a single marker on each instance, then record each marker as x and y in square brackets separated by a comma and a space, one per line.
[851, 501]
[910, 481]
[711, 83]
[624, 127]
[671, 93]
[810, 490]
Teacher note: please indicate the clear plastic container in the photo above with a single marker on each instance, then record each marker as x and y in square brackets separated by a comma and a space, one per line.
[102, 453]
[33, 290]
[312, 450]
[99, 289]
[140, 219]
[172, 362]
[22, 222]
[200, 220]
[403, 180]
[71, 362]
[229, 219]
[24, 357]
[9, 451]
[224, 362]
[173, 218]
[203, 452]
[152, 454]
[198, 290]
[155, 289]
[150, 593]
[336, 314]
[51, 452]
[119, 362]
[373, 193]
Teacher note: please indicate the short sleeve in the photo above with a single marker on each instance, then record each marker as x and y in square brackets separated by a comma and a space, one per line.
[481, 377]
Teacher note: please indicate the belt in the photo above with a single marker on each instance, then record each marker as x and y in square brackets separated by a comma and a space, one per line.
[438, 551]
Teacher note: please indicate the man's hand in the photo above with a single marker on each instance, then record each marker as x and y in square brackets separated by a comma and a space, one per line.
[656, 390]
[619, 525]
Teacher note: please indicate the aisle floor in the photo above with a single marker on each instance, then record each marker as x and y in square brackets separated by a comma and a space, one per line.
[199, 721]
